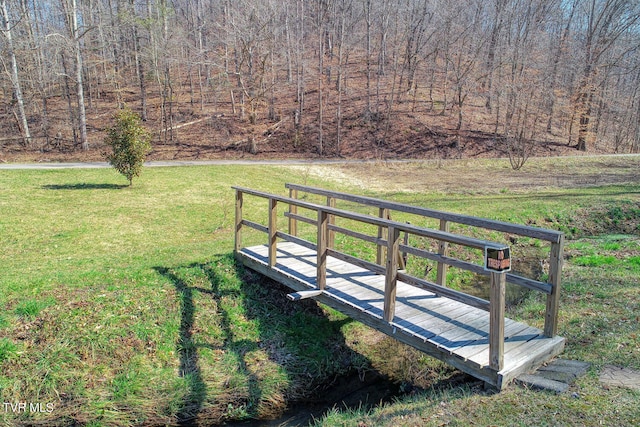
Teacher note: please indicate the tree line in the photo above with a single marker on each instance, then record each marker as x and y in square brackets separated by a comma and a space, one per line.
[568, 68]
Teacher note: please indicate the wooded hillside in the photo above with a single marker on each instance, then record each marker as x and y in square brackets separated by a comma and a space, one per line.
[361, 78]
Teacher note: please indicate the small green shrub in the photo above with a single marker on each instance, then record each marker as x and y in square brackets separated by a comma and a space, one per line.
[129, 142]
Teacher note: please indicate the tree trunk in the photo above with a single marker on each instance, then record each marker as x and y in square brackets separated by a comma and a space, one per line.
[72, 21]
[368, 40]
[320, 66]
[15, 79]
[140, 71]
[67, 94]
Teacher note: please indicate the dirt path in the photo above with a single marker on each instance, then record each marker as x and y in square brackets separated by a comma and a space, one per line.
[490, 175]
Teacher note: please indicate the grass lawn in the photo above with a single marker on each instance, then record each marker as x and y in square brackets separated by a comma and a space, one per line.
[124, 306]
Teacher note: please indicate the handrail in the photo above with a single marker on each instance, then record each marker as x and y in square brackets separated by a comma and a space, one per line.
[522, 230]
[391, 270]
[556, 238]
[401, 226]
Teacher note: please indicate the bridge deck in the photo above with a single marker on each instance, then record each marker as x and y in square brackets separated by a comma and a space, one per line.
[448, 330]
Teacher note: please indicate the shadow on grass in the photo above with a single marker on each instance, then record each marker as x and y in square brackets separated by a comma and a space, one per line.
[187, 350]
[250, 316]
[84, 186]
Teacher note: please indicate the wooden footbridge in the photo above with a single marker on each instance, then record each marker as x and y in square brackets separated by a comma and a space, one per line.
[463, 330]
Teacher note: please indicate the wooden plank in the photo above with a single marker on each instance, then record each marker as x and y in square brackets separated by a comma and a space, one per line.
[293, 210]
[407, 313]
[475, 329]
[431, 322]
[367, 282]
[425, 312]
[553, 300]
[522, 230]
[444, 325]
[406, 290]
[294, 266]
[519, 334]
[238, 222]
[447, 292]
[382, 235]
[273, 228]
[470, 350]
[496, 321]
[391, 274]
[419, 231]
[331, 237]
[369, 288]
[530, 361]
[446, 319]
[450, 325]
[462, 332]
[296, 240]
[357, 261]
[539, 344]
[371, 305]
[255, 226]
[443, 250]
[376, 240]
[477, 269]
[323, 221]
[300, 295]
[301, 218]
[341, 269]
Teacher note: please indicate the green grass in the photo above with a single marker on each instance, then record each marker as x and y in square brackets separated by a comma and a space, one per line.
[124, 305]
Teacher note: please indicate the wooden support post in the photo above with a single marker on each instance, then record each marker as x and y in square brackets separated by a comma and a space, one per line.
[273, 221]
[293, 210]
[238, 222]
[553, 299]
[331, 238]
[443, 249]
[323, 226]
[496, 320]
[382, 234]
[391, 273]
[402, 256]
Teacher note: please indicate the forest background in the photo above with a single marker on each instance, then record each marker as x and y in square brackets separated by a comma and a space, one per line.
[331, 78]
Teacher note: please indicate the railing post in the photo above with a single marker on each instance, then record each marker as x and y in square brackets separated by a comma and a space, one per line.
[553, 299]
[273, 221]
[331, 202]
[443, 249]
[402, 256]
[391, 273]
[323, 225]
[238, 222]
[382, 234]
[293, 210]
[496, 320]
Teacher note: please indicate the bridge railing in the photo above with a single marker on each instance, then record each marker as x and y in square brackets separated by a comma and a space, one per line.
[551, 287]
[389, 237]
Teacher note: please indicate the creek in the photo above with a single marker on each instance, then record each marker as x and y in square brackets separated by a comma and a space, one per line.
[347, 392]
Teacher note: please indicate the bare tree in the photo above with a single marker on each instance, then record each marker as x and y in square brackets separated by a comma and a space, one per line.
[13, 73]
[604, 22]
[183, 57]
[70, 8]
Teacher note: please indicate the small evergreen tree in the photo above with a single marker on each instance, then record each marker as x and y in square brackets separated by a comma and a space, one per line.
[129, 142]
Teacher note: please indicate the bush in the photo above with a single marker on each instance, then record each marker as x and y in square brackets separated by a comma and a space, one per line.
[129, 142]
